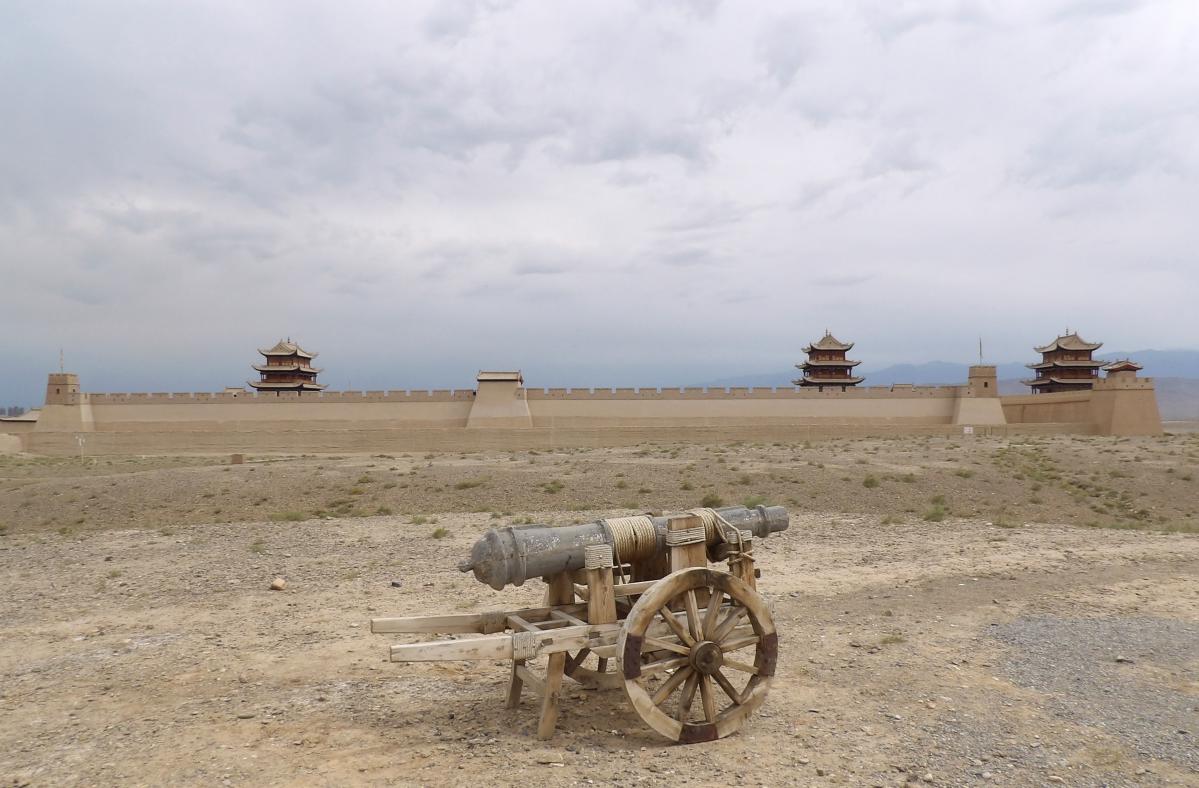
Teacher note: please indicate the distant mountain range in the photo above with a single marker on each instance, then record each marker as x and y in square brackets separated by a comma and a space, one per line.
[1176, 373]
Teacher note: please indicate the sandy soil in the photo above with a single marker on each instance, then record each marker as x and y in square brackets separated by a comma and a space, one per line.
[999, 641]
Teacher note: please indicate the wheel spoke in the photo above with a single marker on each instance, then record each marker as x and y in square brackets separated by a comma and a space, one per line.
[693, 614]
[687, 696]
[727, 625]
[577, 659]
[674, 624]
[733, 645]
[728, 687]
[712, 613]
[741, 666]
[705, 694]
[671, 684]
[603, 665]
[665, 645]
[650, 668]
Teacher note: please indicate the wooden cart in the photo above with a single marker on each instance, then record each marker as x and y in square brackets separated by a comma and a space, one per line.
[688, 630]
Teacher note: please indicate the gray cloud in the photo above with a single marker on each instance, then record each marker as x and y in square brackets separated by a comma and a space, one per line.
[417, 189]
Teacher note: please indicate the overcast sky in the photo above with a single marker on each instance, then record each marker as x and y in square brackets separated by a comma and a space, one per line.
[599, 193]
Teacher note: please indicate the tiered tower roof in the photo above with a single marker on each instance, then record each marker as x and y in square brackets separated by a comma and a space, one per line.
[288, 367]
[827, 365]
[1065, 365]
[828, 342]
[1070, 341]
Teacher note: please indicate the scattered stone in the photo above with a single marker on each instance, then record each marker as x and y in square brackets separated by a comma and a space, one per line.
[396, 584]
[246, 715]
[1124, 659]
[278, 584]
[548, 758]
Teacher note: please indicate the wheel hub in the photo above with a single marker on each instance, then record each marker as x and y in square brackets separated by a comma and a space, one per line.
[707, 657]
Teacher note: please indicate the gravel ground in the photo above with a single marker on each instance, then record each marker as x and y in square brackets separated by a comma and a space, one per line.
[1135, 679]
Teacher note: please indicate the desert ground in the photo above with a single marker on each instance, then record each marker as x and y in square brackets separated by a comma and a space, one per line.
[951, 612]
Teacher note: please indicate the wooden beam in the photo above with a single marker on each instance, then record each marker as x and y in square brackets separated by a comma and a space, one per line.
[569, 619]
[479, 623]
[527, 676]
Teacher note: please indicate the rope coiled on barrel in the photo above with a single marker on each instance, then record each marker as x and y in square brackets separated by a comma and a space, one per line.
[633, 538]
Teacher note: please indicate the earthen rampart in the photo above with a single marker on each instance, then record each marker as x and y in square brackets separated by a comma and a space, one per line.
[502, 414]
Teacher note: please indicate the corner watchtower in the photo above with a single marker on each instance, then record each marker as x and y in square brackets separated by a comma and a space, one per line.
[62, 388]
[982, 381]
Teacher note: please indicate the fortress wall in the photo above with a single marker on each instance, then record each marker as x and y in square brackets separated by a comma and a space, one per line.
[807, 394]
[1061, 406]
[249, 414]
[595, 411]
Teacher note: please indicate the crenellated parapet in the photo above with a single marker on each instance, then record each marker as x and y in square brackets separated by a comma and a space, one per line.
[268, 398]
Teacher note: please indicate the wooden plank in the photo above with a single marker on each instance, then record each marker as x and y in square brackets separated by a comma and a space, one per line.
[605, 652]
[516, 622]
[550, 693]
[560, 590]
[500, 646]
[569, 619]
[527, 676]
[483, 647]
[629, 589]
[601, 606]
[479, 623]
[515, 683]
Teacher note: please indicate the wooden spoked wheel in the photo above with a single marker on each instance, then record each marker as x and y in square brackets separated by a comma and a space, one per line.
[698, 632]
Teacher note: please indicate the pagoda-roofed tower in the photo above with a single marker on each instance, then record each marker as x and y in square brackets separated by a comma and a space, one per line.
[288, 367]
[1066, 365]
[827, 364]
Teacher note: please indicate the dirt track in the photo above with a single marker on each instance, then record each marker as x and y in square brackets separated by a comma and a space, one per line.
[947, 653]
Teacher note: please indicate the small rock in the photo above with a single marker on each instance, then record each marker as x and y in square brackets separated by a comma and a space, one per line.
[396, 584]
[1053, 778]
[278, 584]
[246, 715]
[548, 758]
[1124, 659]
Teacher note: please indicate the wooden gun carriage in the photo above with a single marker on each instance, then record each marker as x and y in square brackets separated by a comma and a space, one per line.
[630, 602]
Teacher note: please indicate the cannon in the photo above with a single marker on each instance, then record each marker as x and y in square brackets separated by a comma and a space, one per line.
[631, 603]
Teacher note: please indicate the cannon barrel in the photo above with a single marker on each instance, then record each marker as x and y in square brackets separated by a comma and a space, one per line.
[512, 555]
